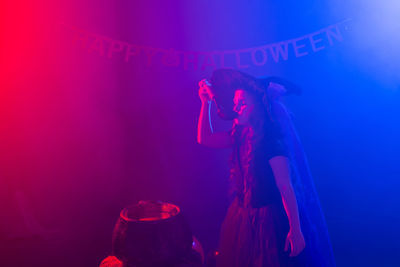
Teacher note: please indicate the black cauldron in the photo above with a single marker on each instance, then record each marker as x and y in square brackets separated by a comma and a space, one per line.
[151, 233]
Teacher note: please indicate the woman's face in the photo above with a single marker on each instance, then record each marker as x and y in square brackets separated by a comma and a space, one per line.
[243, 105]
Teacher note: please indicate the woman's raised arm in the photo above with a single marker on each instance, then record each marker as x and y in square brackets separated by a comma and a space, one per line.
[205, 134]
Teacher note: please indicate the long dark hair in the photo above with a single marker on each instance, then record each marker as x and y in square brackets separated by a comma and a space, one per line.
[261, 128]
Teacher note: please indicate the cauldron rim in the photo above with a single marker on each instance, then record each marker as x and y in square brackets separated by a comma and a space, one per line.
[124, 213]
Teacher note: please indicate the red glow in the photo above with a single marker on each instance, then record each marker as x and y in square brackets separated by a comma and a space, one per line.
[111, 261]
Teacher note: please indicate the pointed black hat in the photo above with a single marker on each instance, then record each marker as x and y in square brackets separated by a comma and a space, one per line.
[224, 83]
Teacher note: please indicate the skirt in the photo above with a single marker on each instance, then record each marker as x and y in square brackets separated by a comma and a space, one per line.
[255, 237]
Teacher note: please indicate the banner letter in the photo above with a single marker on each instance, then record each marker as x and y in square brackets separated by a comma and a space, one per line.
[338, 36]
[280, 49]
[187, 60]
[238, 63]
[171, 58]
[131, 50]
[98, 45]
[254, 58]
[208, 61]
[116, 46]
[82, 37]
[150, 53]
[314, 42]
[298, 47]
[222, 59]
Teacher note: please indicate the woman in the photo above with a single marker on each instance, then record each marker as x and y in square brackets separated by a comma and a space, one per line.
[262, 226]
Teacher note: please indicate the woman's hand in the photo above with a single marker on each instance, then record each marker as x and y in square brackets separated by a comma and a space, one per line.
[204, 91]
[296, 241]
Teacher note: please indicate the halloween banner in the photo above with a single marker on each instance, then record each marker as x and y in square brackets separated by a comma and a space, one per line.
[201, 60]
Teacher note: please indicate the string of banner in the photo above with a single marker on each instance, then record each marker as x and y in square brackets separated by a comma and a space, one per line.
[238, 58]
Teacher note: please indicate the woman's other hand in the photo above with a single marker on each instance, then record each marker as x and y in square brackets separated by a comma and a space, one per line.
[296, 241]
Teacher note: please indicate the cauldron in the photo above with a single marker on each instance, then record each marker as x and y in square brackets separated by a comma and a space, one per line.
[151, 233]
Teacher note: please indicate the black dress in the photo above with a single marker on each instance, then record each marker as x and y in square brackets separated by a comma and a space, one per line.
[254, 231]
